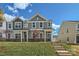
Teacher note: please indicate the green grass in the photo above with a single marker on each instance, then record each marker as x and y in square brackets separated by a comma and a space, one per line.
[26, 49]
[70, 47]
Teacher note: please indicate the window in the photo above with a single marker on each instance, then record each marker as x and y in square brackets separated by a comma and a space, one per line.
[41, 24]
[18, 36]
[49, 35]
[67, 30]
[37, 18]
[9, 25]
[67, 38]
[41, 35]
[25, 25]
[0, 24]
[8, 36]
[33, 24]
[18, 25]
[49, 24]
[0, 35]
[78, 25]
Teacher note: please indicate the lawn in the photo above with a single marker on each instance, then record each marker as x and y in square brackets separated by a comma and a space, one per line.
[74, 49]
[26, 49]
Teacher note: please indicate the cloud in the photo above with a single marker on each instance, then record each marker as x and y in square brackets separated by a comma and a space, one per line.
[56, 29]
[55, 33]
[12, 9]
[21, 5]
[8, 17]
[22, 18]
[15, 11]
[30, 10]
[54, 26]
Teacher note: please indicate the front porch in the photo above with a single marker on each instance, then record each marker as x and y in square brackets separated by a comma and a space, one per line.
[18, 35]
[27, 36]
[40, 35]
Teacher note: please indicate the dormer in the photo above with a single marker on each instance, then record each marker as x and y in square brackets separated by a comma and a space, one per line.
[17, 23]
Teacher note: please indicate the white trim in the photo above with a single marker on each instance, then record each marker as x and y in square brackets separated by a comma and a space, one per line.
[76, 27]
[25, 25]
[42, 25]
[75, 39]
[31, 35]
[21, 36]
[32, 25]
[44, 36]
[16, 23]
[39, 15]
[38, 21]
[51, 37]
[11, 25]
[36, 29]
[27, 36]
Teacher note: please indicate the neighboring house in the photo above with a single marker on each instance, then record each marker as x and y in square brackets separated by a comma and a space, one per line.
[69, 32]
[2, 26]
[36, 28]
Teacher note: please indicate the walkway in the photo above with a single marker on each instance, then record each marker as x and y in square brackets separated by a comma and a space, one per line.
[61, 51]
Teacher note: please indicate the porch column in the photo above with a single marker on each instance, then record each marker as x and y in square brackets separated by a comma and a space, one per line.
[51, 37]
[27, 36]
[21, 36]
[44, 36]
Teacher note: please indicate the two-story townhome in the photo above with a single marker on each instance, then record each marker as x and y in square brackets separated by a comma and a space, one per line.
[2, 25]
[69, 32]
[40, 28]
[36, 28]
[17, 30]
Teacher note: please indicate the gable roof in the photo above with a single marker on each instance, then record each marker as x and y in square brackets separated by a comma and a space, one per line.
[17, 19]
[71, 21]
[37, 14]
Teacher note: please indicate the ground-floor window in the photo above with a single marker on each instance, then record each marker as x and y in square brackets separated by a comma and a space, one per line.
[8, 36]
[18, 36]
[67, 38]
[48, 35]
[0, 35]
[41, 35]
[77, 38]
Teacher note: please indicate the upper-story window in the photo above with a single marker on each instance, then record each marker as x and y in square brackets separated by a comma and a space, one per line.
[37, 18]
[49, 24]
[25, 25]
[9, 25]
[18, 25]
[41, 24]
[0, 24]
[33, 24]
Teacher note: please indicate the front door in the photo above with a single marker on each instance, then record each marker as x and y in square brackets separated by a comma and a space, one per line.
[25, 35]
[77, 39]
[49, 36]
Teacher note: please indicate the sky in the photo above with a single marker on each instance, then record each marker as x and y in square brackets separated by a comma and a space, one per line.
[57, 12]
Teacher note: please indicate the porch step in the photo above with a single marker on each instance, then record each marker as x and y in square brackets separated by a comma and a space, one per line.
[65, 54]
[61, 50]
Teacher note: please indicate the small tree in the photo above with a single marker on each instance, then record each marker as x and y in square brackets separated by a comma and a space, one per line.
[1, 11]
